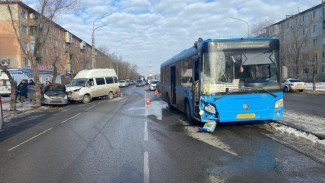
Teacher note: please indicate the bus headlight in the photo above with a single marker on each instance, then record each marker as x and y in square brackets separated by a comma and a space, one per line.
[278, 104]
[210, 108]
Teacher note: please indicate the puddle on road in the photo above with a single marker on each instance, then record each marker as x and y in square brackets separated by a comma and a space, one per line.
[155, 109]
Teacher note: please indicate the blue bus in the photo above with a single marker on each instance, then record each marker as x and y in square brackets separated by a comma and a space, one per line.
[225, 80]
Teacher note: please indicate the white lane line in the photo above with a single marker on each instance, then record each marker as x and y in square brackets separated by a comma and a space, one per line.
[146, 168]
[90, 107]
[70, 118]
[30, 139]
[145, 131]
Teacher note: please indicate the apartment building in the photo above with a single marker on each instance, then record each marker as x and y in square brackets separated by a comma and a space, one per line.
[70, 53]
[302, 42]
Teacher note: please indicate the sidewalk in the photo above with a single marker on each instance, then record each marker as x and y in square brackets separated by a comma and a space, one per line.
[20, 107]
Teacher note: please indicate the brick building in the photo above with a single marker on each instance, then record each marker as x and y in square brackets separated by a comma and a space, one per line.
[72, 53]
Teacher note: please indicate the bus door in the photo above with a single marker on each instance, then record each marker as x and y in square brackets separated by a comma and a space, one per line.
[173, 84]
[196, 85]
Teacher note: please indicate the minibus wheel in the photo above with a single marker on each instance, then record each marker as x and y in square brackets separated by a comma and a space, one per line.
[86, 99]
[110, 96]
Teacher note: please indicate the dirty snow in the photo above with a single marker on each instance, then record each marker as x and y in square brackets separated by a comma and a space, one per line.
[20, 107]
[305, 122]
[320, 86]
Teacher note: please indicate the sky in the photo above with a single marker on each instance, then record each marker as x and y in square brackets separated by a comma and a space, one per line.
[144, 31]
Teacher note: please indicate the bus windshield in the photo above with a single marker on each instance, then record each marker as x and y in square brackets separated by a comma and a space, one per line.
[239, 70]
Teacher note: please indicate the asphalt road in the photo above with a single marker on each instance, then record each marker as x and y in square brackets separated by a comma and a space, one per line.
[312, 104]
[122, 140]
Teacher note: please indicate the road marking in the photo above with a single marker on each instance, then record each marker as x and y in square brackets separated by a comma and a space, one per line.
[145, 131]
[90, 107]
[30, 139]
[146, 168]
[70, 118]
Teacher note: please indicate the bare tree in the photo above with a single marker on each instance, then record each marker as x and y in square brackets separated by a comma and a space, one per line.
[42, 23]
[258, 30]
[313, 61]
[55, 69]
[13, 85]
[293, 44]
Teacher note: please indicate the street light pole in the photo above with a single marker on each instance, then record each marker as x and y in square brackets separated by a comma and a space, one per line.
[93, 58]
[245, 22]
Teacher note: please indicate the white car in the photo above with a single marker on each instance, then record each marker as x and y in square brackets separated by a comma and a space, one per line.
[291, 84]
[122, 83]
[153, 85]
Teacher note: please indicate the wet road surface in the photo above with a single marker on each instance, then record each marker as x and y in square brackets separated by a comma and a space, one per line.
[122, 140]
[312, 104]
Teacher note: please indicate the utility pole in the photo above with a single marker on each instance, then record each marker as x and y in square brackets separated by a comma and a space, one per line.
[93, 55]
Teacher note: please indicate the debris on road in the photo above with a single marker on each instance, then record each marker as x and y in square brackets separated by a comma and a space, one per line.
[208, 127]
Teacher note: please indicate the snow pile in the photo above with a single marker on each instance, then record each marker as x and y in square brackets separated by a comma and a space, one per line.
[305, 122]
[20, 107]
[292, 131]
[319, 86]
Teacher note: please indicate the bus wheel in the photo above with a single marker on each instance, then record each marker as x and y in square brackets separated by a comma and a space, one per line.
[170, 107]
[86, 99]
[110, 96]
[188, 112]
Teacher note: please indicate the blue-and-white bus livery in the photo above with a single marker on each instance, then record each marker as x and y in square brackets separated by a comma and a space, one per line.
[225, 80]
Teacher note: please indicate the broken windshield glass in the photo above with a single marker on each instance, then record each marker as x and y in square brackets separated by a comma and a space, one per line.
[239, 70]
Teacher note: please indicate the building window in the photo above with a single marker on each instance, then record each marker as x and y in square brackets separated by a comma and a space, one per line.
[46, 64]
[313, 16]
[314, 28]
[55, 43]
[305, 70]
[50, 42]
[46, 51]
[32, 30]
[23, 29]
[25, 46]
[23, 14]
[303, 18]
[314, 42]
[25, 61]
[32, 48]
[40, 61]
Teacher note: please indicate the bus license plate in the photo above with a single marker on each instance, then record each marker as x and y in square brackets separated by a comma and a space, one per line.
[240, 116]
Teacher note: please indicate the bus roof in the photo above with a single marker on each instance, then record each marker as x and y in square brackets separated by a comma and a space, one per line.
[192, 50]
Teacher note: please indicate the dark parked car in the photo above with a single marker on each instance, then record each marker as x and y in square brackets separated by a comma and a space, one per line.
[55, 94]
